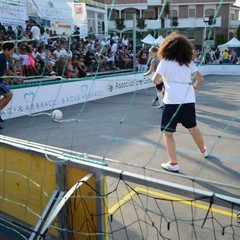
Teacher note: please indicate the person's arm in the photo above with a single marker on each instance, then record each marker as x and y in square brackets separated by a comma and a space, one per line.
[157, 78]
[198, 79]
[151, 69]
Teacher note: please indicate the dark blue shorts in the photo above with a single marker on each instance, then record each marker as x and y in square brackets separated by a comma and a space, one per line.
[3, 88]
[178, 113]
[159, 87]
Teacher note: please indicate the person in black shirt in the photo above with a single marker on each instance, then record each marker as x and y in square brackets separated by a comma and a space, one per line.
[8, 49]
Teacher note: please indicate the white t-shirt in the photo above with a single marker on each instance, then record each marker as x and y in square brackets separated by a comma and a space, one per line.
[60, 53]
[177, 81]
[35, 32]
[24, 58]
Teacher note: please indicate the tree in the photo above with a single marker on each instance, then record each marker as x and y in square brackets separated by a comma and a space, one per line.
[167, 9]
[120, 23]
[141, 23]
[238, 32]
[220, 39]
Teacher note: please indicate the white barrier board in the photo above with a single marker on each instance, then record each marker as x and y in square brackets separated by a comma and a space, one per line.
[30, 100]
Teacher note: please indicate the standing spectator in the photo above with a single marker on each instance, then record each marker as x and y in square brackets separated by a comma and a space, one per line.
[234, 57]
[225, 56]
[216, 55]
[8, 49]
[176, 70]
[125, 41]
[142, 57]
[76, 34]
[115, 37]
[35, 30]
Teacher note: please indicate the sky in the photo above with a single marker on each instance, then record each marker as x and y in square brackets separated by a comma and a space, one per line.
[238, 3]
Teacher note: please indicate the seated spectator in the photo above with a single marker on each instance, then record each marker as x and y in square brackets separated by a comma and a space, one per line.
[119, 58]
[34, 66]
[127, 58]
[41, 56]
[90, 59]
[59, 51]
[101, 59]
[24, 61]
[80, 66]
[60, 66]
[10, 34]
[71, 72]
[110, 58]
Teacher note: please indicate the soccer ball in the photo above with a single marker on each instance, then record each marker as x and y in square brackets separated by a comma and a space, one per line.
[56, 115]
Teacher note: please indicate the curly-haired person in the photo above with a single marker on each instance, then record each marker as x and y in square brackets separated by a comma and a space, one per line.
[180, 76]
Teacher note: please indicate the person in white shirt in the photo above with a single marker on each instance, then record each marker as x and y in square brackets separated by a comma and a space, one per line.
[176, 70]
[35, 31]
[125, 41]
[59, 51]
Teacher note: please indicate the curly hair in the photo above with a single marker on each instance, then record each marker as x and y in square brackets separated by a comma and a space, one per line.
[176, 47]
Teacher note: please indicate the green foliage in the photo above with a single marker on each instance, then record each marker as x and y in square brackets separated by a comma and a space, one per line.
[167, 9]
[141, 23]
[238, 32]
[220, 39]
[120, 23]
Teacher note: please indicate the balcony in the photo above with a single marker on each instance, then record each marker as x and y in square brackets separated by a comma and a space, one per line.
[156, 24]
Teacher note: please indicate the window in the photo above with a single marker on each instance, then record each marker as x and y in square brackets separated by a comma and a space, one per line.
[127, 14]
[209, 12]
[149, 14]
[211, 36]
[174, 13]
[191, 13]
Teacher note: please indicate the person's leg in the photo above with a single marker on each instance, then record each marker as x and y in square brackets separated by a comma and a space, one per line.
[170, 146]
[5, 100]
[198, 139]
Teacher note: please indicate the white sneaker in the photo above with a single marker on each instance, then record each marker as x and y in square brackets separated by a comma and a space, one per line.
[53, 73]
[169, 167]
[205, 153]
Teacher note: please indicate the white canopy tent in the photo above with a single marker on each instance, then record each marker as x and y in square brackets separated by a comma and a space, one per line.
[234, 42]
[159, 41]
[149, 39]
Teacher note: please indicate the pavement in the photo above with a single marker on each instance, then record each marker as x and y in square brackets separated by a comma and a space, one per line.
[124, 131]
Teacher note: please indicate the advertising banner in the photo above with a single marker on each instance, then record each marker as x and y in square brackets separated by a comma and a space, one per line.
[30, 100]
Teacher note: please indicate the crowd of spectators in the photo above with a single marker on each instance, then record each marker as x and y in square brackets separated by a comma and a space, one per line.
[42, 52]
[218, 56]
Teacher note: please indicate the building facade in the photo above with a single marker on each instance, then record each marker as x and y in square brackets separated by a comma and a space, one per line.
[159, 17]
